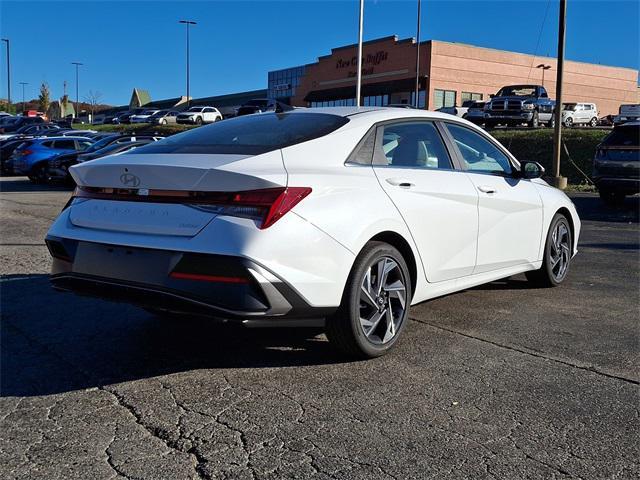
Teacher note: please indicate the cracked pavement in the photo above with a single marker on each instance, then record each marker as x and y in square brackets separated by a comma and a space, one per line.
[501, 381]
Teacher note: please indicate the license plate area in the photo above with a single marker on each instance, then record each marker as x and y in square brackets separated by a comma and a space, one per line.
[124, 263]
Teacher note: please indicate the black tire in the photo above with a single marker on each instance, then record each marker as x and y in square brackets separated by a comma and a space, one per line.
[489, 125]
[611, 197]
[549, 275]
[568, 122]
[535, 121]
[552, 122]
[344, 329]
[199, 121]
[39, 174]
[594, 122]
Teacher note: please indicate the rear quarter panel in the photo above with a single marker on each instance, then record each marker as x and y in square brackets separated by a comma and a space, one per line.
[346, 202]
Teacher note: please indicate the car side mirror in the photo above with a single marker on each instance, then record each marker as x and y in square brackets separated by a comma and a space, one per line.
[530, 170]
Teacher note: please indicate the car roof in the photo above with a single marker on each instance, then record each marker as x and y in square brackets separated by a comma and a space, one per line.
[68, 137]
[377, 114]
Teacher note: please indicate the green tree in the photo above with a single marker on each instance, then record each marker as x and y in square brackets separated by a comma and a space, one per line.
[44, 99]
[7, 107]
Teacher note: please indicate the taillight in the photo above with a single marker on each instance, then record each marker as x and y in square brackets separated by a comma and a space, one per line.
[266, 205]
[26, 152]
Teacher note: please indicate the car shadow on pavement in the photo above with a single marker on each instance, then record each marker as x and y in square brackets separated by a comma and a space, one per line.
[22, 184]
[53, 342]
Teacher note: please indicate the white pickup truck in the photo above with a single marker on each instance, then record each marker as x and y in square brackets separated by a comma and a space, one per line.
[627, 113]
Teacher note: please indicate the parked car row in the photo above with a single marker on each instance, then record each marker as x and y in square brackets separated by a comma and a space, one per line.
[530, 105]
[45, 151]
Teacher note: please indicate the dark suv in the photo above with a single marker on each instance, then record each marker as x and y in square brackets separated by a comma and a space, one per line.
[518, 104]
[616, 166]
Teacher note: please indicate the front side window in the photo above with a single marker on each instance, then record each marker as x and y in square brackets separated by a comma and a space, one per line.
[415, 144]
[250, 134]
[478, 153]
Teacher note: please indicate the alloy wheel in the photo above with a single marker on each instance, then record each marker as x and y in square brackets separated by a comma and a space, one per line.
[383, 300]
[560, 251]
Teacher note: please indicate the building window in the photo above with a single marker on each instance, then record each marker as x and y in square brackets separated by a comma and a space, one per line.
[444, 98]
[421, 98]
[470, 96]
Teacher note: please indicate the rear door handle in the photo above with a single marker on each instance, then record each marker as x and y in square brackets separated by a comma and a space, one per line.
[399, 182]
[487, 189]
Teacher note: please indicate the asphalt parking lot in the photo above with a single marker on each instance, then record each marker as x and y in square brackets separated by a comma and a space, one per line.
[501, 381]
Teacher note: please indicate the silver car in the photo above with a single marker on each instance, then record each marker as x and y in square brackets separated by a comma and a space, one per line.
[163, 117]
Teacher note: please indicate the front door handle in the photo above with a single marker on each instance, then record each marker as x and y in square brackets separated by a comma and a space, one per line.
[487, 189]
[400, 182]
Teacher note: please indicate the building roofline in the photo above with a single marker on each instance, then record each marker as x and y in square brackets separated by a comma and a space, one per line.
[528, 54]
[426, 42]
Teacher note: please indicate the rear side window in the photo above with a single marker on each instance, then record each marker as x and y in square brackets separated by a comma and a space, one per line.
[65, 144]
[249, 135]
[413, 145]
[626, 136]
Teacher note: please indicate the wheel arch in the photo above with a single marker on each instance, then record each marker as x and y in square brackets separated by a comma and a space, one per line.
[567, 214]
[400, 243]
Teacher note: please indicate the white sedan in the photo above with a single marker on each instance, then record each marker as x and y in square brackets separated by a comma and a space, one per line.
[341, 217]
[143, 116]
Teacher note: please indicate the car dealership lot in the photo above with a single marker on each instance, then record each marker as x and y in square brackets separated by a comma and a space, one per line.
[500, 381]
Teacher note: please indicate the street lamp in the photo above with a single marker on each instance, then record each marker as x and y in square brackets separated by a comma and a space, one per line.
[23, 84]
[187, 23]
[359, 74]
[6, 40]
[543, 67]
[77, 64]
[417, 57]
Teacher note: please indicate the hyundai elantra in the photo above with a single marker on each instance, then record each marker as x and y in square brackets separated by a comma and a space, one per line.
[341, 217]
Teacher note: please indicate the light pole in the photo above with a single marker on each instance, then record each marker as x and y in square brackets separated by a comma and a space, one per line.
[543, 67]
[558, 181]
[77, 64]
[6, 40]
[359, 74]
[23, 84]
[417, 57]
[188, 23]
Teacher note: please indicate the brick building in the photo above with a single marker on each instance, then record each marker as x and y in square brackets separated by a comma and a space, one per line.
[450, 73]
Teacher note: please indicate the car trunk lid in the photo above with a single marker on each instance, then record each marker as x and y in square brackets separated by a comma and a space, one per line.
[152, 181]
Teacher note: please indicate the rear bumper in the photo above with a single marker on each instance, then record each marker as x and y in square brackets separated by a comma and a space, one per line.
[628, 186]
[218, 286]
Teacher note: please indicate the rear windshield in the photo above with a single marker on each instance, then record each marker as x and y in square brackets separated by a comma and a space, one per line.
[626, 136]
[249, 135]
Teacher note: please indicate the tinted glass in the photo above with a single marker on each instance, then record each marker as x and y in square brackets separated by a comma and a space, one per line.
[249, 135]
[416, 144]
[628, 136]
[101, 143]
[64, 145]
[478, 153]
[518, 91]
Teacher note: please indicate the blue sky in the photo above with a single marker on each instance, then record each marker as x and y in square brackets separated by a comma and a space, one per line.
[125, 44]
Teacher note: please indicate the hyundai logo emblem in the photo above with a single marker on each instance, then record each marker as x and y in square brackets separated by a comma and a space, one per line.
[130, 180]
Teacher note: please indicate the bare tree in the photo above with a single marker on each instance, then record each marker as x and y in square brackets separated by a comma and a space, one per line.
[93, 99]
